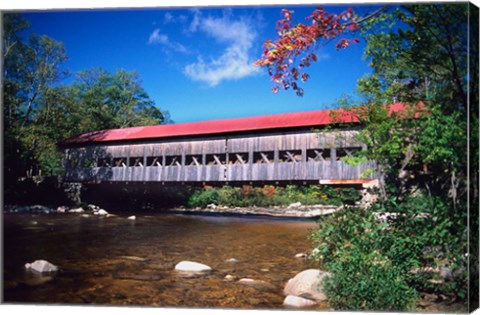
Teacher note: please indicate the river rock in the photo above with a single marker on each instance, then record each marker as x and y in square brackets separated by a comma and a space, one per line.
[76, 210]
[101, 212]
[93, 207]
[229, 278]
[132, 217]
[191, 266]
[307, 284]
[34, 209]
[258, 284]
[62, 209]
[297, 301]
[301, 255]
[41, 266]
[294, 205]
[231, 260]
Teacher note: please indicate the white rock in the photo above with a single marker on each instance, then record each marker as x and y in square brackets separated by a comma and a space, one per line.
[230, 278]
[297, 301]
[231, 260]
[295, 205]
[101, 212]
[41, 266]
[62, 209]
[93, 207]
[191, 266]
[212, 206]
[76, 210]
[300, 255]
[132, 217]
[307, 284]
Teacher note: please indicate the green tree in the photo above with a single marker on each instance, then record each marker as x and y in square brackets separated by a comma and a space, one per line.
[115, 100]
[31, 67]
[39, 111]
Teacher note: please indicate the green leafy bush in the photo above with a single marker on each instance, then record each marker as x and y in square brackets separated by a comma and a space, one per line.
[248, 196]
[201, 198]
[367, 280]
[401, 245]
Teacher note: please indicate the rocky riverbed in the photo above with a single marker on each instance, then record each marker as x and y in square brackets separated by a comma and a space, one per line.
[105, 257]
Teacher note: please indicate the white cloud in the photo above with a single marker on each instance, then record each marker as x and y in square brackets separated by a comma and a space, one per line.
[168, 18]
[234, 61]
[157, 38]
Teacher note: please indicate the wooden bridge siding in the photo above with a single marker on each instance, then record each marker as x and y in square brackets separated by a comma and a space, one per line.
[229, 146]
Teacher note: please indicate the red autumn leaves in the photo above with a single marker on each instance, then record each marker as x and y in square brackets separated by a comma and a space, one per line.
[281, 56]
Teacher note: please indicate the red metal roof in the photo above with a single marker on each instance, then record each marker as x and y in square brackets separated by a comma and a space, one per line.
[277, 121]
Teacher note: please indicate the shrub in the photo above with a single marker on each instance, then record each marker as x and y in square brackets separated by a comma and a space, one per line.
[418, 235]
[367, 280]
[201, 198]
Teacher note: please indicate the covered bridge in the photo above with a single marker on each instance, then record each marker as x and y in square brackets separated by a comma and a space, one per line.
[281, 148]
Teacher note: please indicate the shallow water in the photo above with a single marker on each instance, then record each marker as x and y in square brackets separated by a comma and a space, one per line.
[116, 261]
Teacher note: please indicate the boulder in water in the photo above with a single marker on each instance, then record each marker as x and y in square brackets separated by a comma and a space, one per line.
[41, 266]
[191, 266]
[307, 284]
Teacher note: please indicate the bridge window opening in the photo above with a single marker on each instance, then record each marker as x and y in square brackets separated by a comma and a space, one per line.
[347, 152]
[239, 158]
[215, 159]
[136, 161]
[292, 156]
[104, 162]
[263, 157]
[193, 160]
[174, 160]
[154, 161]
[119, 162]
[318, 155]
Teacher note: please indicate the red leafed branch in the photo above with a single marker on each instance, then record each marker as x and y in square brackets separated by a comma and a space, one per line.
[295, 42]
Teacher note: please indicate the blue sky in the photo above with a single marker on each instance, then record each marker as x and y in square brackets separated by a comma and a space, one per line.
[197, 62]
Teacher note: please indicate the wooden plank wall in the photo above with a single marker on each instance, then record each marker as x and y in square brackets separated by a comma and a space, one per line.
[287, 156]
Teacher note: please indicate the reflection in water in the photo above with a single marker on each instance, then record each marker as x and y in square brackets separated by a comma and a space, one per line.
[116, 261]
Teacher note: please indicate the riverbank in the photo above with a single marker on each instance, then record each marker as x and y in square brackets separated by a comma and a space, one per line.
[296, 210]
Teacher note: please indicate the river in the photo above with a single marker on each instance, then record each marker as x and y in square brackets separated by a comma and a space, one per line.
[116, 261]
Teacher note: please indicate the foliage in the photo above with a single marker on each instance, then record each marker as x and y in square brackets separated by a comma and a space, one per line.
[280, 56]
[414, 239]
[349, 244]
[248, 196]
[364, 280]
